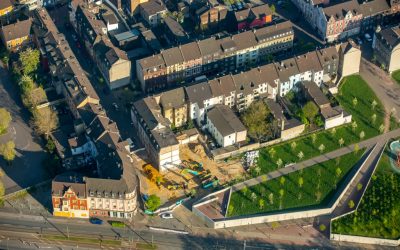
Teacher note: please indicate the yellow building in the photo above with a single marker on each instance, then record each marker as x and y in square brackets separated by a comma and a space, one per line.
[16, 35]
[174, 106]
[5, 7]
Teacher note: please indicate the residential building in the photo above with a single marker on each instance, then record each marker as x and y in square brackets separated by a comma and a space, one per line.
[329, 59]
[30, 4]
[131, 7]
[16, 35]
[225, 126]
[173, 106]
[210, 16]
[252, 17]
[349, 59]
[386, 46]
[117, 4]
[112, 62]
[153, 12]
[200, 99]
[6, 6]
[69, 196]
[332, 116]
[310, 68]
[216, 55]
[289, 75]
[175, 32]
[155, 133]
[373, 13]
[111, 21]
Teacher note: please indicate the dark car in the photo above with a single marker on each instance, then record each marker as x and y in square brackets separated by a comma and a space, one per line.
[96, 221]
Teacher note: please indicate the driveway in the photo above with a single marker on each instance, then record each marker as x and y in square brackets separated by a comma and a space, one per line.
[26, 169]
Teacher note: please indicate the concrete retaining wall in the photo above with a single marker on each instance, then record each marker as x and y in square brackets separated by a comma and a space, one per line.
[365, 240]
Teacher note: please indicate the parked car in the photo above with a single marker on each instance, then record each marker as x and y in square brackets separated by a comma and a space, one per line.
[96, 221]
[167, 216]
[115, 106]
[368, 37]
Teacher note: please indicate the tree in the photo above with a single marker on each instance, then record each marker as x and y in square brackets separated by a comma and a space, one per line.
[321, 148]
[281, 192]
[373, 104]
[261, 203]
[159, 180]
[293, 145]
[255, 119]
[351, 204]
[314, 138]
[333, 131]
[341, 142]
[301, 182]
[44, 121]
[310, 111]
[230, 209]
[355, 101]
[356, 148]
[253, 196]
[322, 227]
[271, 198]
[245, 190]
[362, 135]
[282, 180]
[257, 170]
[338, 172]
[272, 8]
[33, 98]
[359, 186]
[153, 202]
[5, 119]
[381, 128]
[318, 195]
[279, 162]
[7, 150]
[50, 146]
[26, 84]
[354, 125]
[300, 155]
[29, 60]
[272, 152]
[373, 118]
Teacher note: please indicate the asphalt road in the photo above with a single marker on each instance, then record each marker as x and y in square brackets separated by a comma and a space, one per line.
[163, 240]
[26, 169]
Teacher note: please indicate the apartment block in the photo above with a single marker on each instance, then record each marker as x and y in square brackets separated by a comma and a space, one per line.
[155, 133]
[214, 55]
[252, 17]
[16, 35]
[386, 46]
[225, 126]
[92, 25]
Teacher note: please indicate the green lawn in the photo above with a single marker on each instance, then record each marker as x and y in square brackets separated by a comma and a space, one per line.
[396, 76]
[319, 183]
[352, 87]
[379, 212]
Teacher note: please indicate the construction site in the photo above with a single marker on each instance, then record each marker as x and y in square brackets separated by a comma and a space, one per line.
[197, 174]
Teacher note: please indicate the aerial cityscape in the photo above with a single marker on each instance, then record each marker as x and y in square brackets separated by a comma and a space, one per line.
[200, 124]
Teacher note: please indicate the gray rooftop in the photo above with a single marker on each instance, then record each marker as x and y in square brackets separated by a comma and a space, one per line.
[225, 120]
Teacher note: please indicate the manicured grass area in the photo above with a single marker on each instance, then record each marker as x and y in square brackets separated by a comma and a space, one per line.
[82, 240]
[351, 87]
[313, 186]
[396, 76]
[117, 224]
[378, 215]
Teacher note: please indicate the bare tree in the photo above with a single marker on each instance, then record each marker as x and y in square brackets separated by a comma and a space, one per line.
[44, 121]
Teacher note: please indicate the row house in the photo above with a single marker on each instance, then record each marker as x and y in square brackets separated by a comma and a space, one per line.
[214, 55]
[173, 106]
[95, 135]
[6, 6]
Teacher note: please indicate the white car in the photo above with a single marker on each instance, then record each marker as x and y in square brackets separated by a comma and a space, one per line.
[167, 216]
